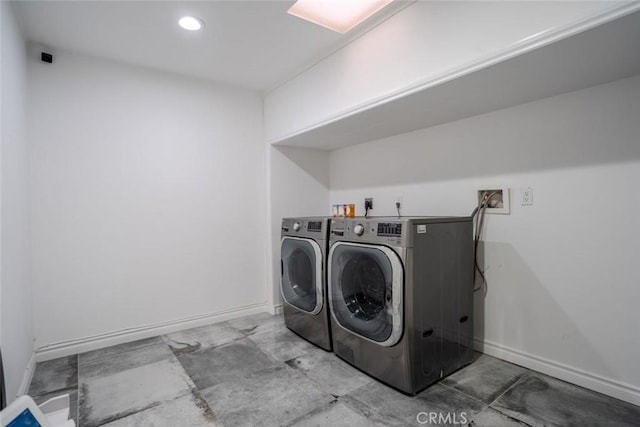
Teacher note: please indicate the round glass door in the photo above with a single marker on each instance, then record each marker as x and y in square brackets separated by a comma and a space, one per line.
[365, 286]
[301, 282]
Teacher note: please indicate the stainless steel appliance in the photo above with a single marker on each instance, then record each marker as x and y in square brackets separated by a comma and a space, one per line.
[303, 280]
[401, 297]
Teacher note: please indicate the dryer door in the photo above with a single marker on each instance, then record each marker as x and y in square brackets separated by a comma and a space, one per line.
[301, 280]
[366, 291]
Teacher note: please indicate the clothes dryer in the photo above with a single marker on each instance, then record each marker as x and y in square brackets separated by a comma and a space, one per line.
[401, 297]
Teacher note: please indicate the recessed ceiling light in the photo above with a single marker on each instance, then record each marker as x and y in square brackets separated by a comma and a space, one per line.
[337, 15]
[190, 23]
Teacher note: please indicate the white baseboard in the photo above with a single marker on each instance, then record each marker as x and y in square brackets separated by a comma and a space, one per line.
[27, 377]
[610, 387]
[71, 347]
[276, 309]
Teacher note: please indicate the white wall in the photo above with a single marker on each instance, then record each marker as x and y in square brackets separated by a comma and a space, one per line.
[563, 277]
[16, 313]
[299, 186]
[148, 200]
[420, 44]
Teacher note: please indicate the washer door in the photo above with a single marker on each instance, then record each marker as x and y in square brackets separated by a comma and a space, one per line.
[301, 280]
[366, 291]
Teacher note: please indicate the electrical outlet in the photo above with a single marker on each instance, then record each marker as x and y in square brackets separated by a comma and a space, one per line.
[497, 199]
[398, 204]
[527, 196]
[368, 203]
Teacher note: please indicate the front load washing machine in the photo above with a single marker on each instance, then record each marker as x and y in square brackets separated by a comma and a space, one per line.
[303, 252]
[401, 297]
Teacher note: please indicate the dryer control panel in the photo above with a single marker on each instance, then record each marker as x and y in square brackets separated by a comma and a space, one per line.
[389, 229]
[315, 228]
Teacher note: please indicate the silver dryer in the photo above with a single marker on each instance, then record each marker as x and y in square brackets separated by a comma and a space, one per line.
[401, 297]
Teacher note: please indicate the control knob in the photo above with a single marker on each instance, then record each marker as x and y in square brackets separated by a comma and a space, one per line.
[358, 229]
[296, 226]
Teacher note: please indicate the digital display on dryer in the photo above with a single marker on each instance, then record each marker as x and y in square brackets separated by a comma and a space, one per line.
[314, 226]
[389, 229]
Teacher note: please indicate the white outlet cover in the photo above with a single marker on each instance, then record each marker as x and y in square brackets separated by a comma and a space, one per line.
[506, 205]
[527, 196]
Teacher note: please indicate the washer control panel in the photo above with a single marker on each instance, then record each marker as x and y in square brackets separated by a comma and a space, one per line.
[369, 230]
[306, 227]
[314, 226]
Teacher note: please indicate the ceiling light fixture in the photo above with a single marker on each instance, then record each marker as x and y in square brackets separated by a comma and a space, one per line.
[337, 15]
[191, 23]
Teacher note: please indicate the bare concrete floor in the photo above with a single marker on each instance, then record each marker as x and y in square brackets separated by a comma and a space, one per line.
[254, 372]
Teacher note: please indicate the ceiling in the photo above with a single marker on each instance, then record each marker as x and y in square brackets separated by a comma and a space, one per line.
[253, 44]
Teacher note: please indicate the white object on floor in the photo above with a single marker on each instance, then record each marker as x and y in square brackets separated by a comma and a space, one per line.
[57, 411]
[24, 411]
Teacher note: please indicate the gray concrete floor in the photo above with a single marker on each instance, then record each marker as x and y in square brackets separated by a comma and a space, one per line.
[253, 371]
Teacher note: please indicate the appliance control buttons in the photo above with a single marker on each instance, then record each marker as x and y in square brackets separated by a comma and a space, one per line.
[358, 229]
[296, 226]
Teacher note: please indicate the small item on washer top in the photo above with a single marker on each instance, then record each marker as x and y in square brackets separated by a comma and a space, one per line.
[350, 210]
[344, 211]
